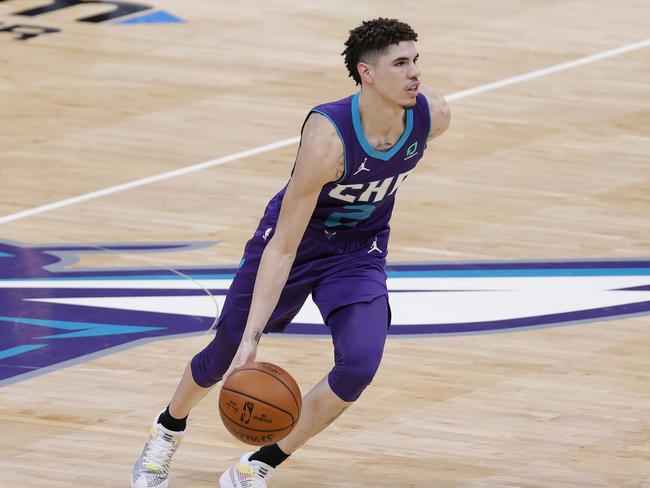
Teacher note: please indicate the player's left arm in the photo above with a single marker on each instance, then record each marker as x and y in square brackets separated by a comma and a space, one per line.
[438, 110]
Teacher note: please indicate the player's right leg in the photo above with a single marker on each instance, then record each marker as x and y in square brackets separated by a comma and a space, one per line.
[151, 469]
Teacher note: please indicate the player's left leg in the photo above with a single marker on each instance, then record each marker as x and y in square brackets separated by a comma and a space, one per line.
[359, 333]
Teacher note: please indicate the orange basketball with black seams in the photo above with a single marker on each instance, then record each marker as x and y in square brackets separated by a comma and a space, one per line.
[260, 403]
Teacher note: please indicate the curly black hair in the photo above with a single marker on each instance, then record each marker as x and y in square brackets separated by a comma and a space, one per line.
[372, 37]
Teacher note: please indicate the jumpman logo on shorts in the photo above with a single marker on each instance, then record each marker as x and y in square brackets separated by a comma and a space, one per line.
[362, 167]
[374, 247]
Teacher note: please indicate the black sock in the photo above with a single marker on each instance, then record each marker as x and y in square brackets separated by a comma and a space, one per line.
[271, 455]
[170, 423]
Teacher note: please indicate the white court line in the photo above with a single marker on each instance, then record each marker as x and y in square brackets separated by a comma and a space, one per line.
[547, 71]
[294, 140]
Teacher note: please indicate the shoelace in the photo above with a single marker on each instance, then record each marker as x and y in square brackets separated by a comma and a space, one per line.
[260, 472]
[159, 452]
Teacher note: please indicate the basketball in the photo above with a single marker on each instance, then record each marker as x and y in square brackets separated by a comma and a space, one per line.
[259, 404]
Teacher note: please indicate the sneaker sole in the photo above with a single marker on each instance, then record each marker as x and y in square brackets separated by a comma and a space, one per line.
[164, 485]
[224, 479]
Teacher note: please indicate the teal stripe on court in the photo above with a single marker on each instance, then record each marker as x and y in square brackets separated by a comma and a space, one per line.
[519, 273]
[79, 329]
[5, 255]
[446, 273]
[15, 351]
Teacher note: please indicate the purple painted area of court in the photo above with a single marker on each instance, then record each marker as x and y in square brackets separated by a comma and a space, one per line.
[36, 336]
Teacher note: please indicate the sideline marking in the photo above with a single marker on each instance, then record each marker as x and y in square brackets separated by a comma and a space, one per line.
[295, 140]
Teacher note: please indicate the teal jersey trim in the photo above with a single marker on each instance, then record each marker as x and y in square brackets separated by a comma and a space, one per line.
[345, 159]
[430, 121]
[358, 128]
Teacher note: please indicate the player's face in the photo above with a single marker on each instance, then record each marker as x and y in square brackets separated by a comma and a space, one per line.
[396, 74]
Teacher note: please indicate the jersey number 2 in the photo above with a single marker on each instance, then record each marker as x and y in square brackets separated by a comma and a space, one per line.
[358, 213]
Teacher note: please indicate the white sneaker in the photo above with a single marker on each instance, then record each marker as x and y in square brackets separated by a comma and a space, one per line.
[247, 474]
[151, 470]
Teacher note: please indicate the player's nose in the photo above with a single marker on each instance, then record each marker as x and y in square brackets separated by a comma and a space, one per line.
[414, 72]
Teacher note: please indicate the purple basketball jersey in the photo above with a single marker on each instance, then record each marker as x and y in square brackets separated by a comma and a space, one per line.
[360, 203]
[341, 259]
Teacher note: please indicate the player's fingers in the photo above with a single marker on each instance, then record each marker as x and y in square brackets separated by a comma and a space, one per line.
[233, 366]
[244, 356]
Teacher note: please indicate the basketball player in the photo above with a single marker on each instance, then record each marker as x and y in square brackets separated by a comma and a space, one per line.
[325, 233]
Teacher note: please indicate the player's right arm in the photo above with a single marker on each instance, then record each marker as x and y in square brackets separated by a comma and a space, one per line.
[320, 156]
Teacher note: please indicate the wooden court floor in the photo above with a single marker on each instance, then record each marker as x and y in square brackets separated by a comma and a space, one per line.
[550, 167]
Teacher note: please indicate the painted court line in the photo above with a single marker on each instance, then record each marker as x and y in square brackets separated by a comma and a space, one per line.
[294, 140]
[550, 70]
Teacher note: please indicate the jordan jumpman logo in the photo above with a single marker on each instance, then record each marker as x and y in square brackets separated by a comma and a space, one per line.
[362, 167]
[374, 247]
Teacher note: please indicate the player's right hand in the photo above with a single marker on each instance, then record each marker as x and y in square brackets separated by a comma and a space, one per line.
[245, 355]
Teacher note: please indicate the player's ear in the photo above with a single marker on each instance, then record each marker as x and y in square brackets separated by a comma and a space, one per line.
[366, 72]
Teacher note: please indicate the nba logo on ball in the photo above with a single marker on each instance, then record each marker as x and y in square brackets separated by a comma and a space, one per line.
[260, 403]
[247, 412]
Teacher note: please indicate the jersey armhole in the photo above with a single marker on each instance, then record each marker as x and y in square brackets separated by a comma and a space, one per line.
[428, 115]
[345, 158]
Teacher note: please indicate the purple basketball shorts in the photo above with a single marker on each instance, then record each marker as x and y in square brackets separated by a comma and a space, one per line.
[345, 279]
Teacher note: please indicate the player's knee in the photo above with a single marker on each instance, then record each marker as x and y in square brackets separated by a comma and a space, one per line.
[350, 378]
[204, 372]
[209, 365]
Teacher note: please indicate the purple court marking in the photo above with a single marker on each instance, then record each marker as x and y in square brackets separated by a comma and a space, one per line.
[37, 336]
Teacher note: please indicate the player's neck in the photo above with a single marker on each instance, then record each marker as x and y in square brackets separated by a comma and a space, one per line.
[378, 117]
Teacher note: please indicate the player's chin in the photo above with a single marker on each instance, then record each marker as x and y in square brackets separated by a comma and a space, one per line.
[409, 103]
